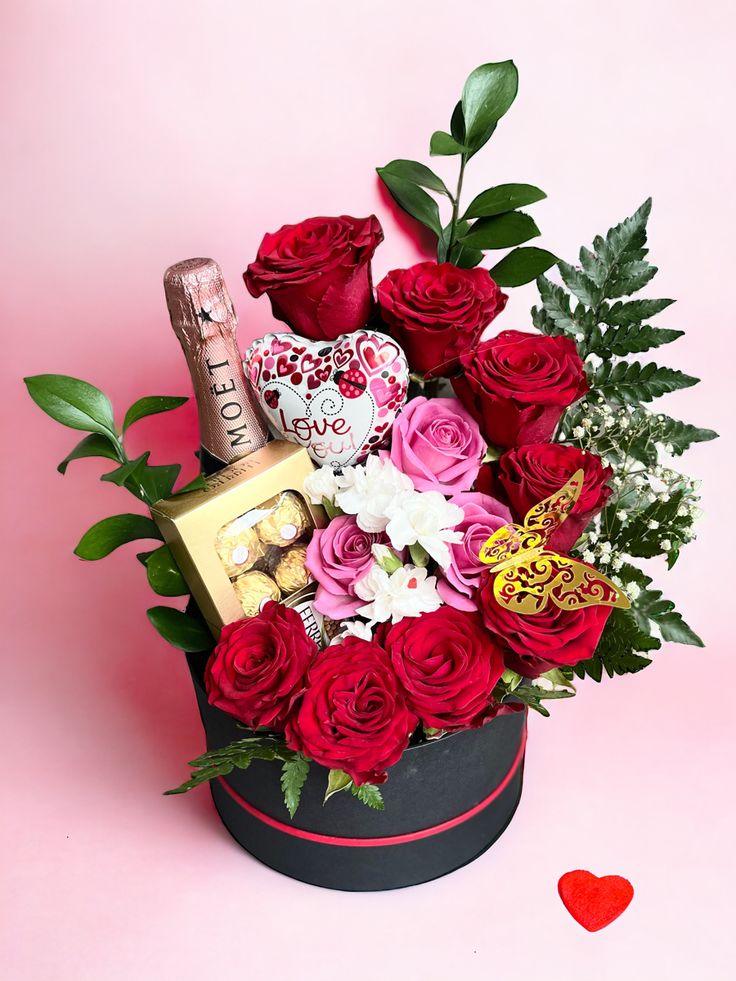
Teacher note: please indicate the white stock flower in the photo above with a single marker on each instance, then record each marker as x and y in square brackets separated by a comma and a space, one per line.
[425, 519]
[408, 592]
[319, 484]
[368, 490]
[353, 628]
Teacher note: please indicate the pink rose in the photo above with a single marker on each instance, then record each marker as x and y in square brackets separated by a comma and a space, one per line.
[438, 444]
[338, 556]
[483, 516]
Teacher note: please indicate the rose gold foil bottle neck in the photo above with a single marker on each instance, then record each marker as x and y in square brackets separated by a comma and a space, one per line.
[204, 320]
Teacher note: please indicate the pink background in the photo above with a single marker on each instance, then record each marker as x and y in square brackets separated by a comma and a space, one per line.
[141, 133]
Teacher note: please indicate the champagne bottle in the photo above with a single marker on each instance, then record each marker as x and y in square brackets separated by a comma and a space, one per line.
[204, 320]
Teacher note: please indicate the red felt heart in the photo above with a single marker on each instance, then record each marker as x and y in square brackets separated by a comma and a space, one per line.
[594, 902]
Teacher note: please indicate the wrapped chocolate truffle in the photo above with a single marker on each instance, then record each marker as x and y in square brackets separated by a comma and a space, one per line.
[253, 589]
[291, 572]
[238, 546]
[288, 520]
[331, 628]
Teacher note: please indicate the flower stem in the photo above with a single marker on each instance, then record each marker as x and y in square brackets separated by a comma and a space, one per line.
[456, 205]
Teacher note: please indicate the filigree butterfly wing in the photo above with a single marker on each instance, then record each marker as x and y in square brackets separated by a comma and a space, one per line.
[547, 516]
[527, 586]
[507, 545]
[510, 542]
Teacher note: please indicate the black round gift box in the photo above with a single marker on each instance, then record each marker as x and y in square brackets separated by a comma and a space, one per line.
[446, 802]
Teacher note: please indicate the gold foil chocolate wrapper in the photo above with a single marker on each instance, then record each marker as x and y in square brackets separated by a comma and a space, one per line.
[253, 589]
[238, 546]
[203, 318]
[286, 523]
[291, 572]
[331, 628]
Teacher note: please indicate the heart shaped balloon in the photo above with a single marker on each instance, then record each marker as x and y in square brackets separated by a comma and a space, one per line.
[336, 398]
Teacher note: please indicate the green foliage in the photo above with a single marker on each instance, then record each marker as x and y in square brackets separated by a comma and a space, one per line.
[366, 793]
[502, 199]
[443, 145]
[492, 220]
[620, 649]
[412, 198]
[181, 630]
[652, 508]
[500, 231]
[652, 611]
[522, 266]
[337, 780]
[73, 403]
[94, 445]
[534, 697]
[110, 533]
[488, 94]
[631, 339]
[240, 754]
[151, 405]
[294, 772]
[79, 405]
[552, 685]
[163, 573]
[632, 382]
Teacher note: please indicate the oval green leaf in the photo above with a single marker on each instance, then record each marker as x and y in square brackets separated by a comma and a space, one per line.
[180, 630]
[196, 483]
[502, 198]
[522, 266]
[501, 231]
[164, 576]
[487, 95]
[73, 403]
[417, 173]
[443, 145]
[151, 405]
[94, 445]
[158, 481]
[126, 470]
[413, 200]
[111, 533]
[337, 780]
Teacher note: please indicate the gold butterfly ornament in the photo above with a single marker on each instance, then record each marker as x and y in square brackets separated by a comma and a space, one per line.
[529, 576]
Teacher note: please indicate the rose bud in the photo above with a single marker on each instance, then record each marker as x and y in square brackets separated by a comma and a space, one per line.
[317, 274]
[517, 385]
[437, 311]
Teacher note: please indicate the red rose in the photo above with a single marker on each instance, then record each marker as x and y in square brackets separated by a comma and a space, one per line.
[437, 311]
[488, 482]
[258, 668]
[517, 385]
[353, 715]
[448, 664]
[535, 471]
[318, 274]
[541, 641]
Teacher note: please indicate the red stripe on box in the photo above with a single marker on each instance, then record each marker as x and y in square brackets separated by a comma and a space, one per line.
[388, 839]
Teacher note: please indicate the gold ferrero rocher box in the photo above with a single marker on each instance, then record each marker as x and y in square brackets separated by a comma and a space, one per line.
[243, 539]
